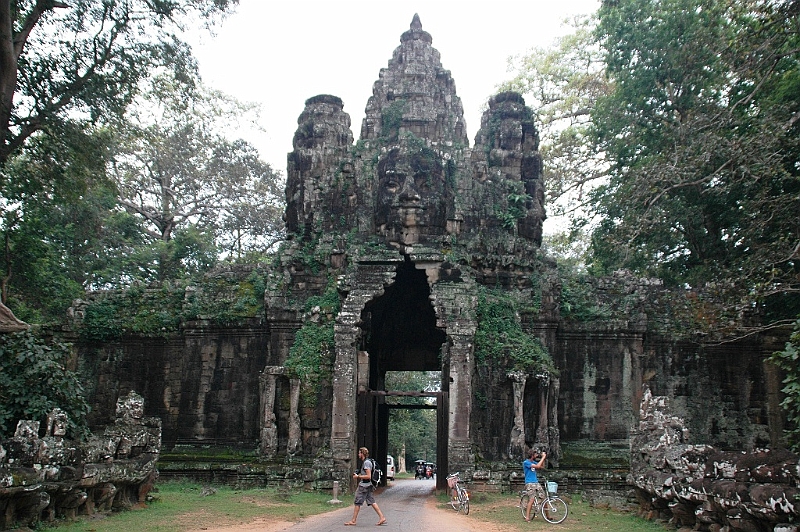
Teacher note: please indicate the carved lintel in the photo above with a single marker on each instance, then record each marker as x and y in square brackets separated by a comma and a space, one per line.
[273, 370]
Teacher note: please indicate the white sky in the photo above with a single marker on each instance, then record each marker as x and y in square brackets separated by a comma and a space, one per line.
[280, 53]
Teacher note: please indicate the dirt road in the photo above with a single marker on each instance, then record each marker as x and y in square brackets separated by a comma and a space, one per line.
[409, 506]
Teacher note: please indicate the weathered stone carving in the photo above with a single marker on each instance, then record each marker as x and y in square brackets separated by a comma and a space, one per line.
[9, 323]
[517, 445]
[408, 193]
[295, 444]
[42, 478]
[268, 444]
[411, 224]
[699, 486]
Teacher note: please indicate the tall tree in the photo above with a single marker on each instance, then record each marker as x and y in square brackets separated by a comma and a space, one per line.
[66, 67]
[701, 130]
[84, 57]
[56, 222]
[562, 83]
[176, 170]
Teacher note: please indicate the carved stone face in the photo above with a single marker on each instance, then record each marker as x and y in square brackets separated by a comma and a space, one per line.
[57, 423]
[131, 407]
[411, 195]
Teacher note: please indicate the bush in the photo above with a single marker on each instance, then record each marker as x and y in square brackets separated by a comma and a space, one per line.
[788, 360]
[34, 380]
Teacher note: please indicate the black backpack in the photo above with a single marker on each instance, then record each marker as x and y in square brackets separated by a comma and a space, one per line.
[377, 474]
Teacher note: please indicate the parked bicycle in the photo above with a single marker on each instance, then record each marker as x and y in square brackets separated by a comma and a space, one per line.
[459, 496]
[552, 507]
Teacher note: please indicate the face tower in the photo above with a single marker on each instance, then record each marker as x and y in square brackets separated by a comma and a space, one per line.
[404, 225]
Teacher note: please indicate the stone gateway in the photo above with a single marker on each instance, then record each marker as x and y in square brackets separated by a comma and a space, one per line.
[403, 248]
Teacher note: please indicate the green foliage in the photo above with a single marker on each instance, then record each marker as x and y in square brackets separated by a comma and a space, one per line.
[789, 361]
[224, 298]
[101, 322]
[198, 194]
[516, 210]
[500, 338]
[88, 59]
[55, 224]
[579, 301]
[311, 354]
[392, 119]
[412, 430]
[329, 302]
[34, 380]
[702, 139]
[155, 312]
[415, 431]
[311, 257]
[313, 351]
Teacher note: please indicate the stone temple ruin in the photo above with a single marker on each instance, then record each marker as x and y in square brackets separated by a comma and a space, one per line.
[50, 476]
[395, 242]
[410, 222]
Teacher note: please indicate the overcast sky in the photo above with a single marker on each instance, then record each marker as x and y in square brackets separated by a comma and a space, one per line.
[280, 53]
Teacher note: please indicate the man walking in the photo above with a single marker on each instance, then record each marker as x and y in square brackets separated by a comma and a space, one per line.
[364, 493]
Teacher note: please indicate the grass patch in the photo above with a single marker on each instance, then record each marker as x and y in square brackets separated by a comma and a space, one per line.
[501, 509]
[178, 506]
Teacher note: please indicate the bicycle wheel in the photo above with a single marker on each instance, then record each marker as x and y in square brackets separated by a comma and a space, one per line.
[463, 498]
[554, 510]
[454, 501]
[523, 504]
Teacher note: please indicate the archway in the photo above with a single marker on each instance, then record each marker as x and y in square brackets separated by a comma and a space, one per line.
[399, 333]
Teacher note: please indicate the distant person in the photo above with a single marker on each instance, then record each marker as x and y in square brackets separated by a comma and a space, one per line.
[364, 493]
[535, 461]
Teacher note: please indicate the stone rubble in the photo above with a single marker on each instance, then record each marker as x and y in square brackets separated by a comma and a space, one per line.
[705, 488]
[49, 477]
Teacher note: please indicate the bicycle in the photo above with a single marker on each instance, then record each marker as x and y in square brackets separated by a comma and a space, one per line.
[460, 502]
[553, 509]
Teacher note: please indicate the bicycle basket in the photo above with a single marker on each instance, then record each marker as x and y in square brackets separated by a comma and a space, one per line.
[552, 487]
[452, 481]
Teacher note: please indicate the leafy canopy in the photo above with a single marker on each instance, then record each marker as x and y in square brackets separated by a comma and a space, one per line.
[701, 133]
[501, 339]
[85, 59]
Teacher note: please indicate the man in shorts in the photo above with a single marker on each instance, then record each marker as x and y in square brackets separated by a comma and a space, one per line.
[535, 461]
[364, 493]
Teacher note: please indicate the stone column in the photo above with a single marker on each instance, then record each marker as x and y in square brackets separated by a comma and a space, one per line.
[516, 447]
[268, 444]
[295, 443]
[543, 425]
[554, 437]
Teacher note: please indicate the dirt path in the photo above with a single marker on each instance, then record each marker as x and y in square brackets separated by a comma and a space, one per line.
[409, 506]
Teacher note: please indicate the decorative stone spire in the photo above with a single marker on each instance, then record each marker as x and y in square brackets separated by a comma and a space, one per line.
[416, 33]
[415, 95]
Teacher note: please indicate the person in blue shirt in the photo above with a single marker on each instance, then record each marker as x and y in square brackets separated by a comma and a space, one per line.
[535, 461]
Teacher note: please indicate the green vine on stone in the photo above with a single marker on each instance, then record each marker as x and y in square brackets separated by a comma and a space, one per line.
[313, 351]
[392, 119]
[500, 338]
[788, 360]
